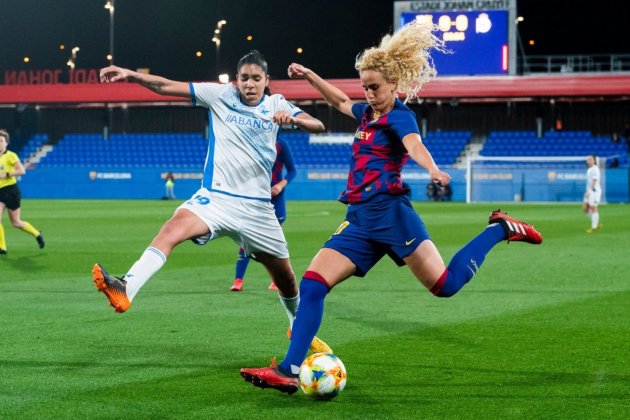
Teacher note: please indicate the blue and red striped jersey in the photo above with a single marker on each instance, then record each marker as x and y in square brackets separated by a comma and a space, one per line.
[378, 153]
[284, 159]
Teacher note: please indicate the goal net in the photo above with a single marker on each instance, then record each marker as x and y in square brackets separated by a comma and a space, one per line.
[529, 178]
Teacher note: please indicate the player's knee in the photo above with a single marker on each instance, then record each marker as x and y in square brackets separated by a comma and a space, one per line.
[286, 276]
[281, 273]
[445, 293]
[448, 284]
[313, 283]
[171, 235]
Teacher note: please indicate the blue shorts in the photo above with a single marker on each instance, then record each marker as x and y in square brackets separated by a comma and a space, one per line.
[384, 225]
[280, 206]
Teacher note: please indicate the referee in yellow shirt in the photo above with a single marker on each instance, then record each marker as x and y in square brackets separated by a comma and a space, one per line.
[10, 167]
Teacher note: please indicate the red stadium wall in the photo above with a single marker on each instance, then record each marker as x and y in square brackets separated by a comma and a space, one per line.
[505, 87]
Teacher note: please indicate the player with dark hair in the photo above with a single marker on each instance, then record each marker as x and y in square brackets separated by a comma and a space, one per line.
[10, 196]
[380, 219]
[235, 195]
[284, 159]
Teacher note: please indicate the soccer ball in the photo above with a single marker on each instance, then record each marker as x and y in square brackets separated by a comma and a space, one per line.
[322, 376]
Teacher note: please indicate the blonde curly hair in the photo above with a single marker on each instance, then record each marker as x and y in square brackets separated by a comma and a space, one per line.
[403, 57]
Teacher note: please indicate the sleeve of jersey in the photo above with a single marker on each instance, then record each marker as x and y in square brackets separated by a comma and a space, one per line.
[287, 106]
[404, 123]
[287, 158]
[204, 94]
[358, 110]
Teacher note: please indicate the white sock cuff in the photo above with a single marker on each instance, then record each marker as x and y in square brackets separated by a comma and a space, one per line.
[151, 250]
[151, 260]
[595, 220]
[290, 300]
[291, 306]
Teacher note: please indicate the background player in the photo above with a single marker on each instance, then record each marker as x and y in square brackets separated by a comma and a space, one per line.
[10, 196]
[169, 187]
[284, 159]
[593, 194]
[380, 219]
[234, 198]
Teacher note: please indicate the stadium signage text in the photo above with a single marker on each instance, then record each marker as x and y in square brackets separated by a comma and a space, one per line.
[492, 177]
[319, 176]
[182, 175]
[454, 5]
[50, 77]
[109, 175]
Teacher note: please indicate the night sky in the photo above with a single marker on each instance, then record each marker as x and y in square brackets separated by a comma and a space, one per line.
[165, 35]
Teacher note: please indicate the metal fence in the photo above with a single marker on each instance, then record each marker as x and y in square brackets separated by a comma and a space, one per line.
[598, 63]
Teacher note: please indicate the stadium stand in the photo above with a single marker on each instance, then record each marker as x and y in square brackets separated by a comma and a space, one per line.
[33, 144]
[188, 149]
[181, 149]
[446, 146]
[553, 143]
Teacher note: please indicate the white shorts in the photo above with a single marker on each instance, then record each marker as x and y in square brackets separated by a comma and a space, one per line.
[593, 197]
[252, 224]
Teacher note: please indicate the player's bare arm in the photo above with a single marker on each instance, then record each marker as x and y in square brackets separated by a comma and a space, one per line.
[333, 95]
[418, 152]
[302, 120]
[278, 188]
[157, 84]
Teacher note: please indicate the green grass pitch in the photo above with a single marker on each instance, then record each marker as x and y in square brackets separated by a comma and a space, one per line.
[540, 332]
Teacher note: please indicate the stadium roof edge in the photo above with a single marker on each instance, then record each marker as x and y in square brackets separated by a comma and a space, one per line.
[607, 86]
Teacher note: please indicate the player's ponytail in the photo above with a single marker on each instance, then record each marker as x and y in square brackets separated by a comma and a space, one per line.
[403, 57]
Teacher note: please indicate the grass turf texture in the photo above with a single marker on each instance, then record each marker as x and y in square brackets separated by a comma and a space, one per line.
[540, 332]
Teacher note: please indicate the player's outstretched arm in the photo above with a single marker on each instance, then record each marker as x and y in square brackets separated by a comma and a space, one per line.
[334, 96]
[303, 120]
[157, 84]
[419, 152]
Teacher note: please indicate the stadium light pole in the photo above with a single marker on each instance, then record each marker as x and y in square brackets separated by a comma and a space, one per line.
[216, 38]
[72, 61]
[521, 48]
[110, 6]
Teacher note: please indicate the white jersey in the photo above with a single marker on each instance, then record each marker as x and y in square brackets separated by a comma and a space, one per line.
[242, 140]
[592, 174]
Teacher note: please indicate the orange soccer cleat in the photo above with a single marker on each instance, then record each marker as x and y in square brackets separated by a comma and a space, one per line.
[317, 345]
[113, 287]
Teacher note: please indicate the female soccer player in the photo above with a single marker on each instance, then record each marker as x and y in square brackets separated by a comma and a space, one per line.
[10, 197]
[593, 194]
[284, 158]
[234, 198]
[380, 219]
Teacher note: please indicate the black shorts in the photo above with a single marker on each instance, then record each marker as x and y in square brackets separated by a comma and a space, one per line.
[10, 196]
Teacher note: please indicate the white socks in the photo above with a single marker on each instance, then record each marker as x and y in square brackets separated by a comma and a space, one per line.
[594, 220]
[149, 263]
[290, 305]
